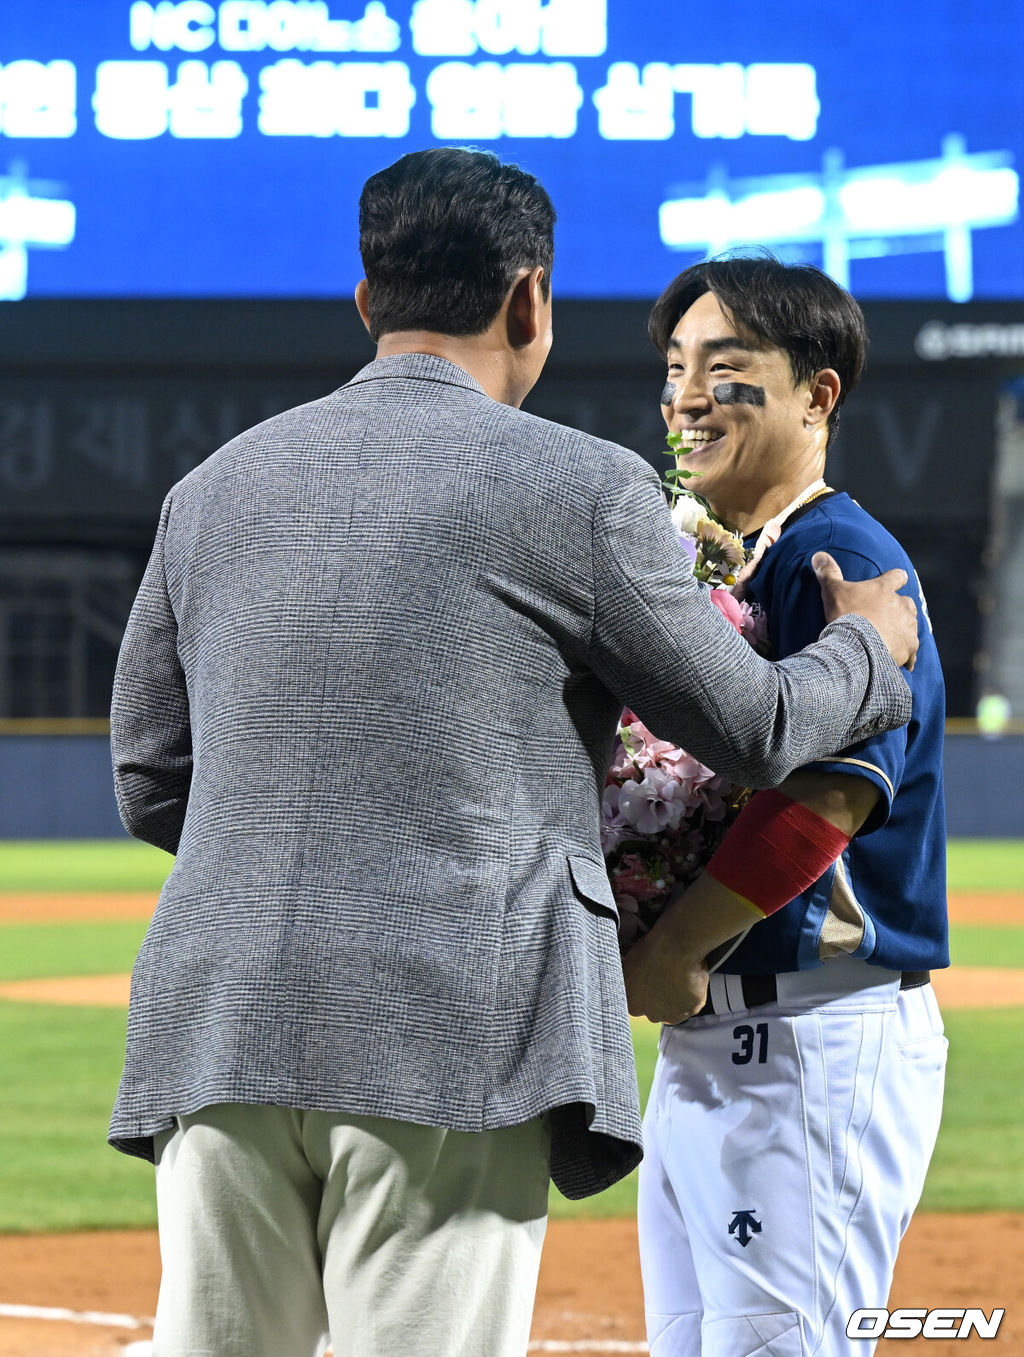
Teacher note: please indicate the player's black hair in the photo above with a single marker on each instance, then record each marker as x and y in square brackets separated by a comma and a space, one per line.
[443, 233]
[792, 307]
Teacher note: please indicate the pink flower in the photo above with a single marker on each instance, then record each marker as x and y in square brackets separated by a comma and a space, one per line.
[661, 754]
[639, 879]
[713, 793]
[622, 768]
[613, 827]
[730, 607]
[687, 768]
[631, 749]
[650, 752]
[656, 803]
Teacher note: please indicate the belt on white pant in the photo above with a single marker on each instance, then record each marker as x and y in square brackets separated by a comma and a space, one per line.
[736, 993]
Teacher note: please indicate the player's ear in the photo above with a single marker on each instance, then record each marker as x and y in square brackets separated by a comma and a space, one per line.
[822, 397]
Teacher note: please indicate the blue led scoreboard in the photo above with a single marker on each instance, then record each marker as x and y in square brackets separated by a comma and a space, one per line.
[201, 148]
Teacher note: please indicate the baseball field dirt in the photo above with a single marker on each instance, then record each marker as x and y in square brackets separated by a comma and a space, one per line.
[989, 907]
[589, 1293]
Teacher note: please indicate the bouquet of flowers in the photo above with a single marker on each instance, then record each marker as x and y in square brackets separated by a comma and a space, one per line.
[663, 812]
[663, 815]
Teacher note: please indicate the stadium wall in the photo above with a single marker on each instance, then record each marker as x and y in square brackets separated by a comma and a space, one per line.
[58, 786]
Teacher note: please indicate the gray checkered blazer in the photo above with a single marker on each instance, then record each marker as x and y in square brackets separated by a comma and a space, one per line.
[367, 696]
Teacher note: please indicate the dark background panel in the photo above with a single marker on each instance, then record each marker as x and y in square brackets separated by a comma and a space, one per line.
[104, 405]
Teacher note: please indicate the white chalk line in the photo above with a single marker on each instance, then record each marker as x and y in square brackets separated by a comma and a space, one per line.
[110, 1321]
[143, 1349]
[545, 1345]
[581, 1345]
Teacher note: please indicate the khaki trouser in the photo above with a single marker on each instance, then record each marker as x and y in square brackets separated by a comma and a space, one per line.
[282, 1229]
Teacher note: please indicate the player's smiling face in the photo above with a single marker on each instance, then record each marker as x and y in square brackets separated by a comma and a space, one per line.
[753, 431]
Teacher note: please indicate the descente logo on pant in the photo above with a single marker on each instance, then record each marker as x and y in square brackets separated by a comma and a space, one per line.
[923, 1323]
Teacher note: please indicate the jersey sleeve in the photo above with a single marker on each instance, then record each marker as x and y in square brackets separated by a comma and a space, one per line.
[796, 615]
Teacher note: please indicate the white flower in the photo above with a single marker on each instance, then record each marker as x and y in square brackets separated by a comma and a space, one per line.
[656, 803]
[687, 512]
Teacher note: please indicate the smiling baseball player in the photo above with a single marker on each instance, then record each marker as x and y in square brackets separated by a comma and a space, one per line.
[791, 1121]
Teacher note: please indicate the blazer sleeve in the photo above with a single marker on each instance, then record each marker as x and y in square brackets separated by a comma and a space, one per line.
[660, 646]
[150, 734]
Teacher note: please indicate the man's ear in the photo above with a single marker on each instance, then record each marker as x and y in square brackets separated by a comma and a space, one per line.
[823, 395]
[363, 302]
[525, 311]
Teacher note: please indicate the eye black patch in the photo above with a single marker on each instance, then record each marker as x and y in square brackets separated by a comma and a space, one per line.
[668, 393]
[738, 393]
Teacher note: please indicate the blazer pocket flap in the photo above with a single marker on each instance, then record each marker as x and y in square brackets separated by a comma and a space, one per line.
[591, 880]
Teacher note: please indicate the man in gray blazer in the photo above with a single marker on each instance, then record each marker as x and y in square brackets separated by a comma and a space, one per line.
[366, 696]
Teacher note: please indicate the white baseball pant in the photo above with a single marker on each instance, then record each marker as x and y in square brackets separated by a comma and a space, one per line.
[786, 1147]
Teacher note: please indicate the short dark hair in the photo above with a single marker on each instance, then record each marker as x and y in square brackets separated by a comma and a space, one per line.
[442, 235]
[793, 307]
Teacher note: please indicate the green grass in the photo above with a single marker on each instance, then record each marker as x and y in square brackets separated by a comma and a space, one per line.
[976, 945]
[979, 1159]
[32, 951]
[60, 1068]
[985, 865]
[127, 865]
[56, 1172]
[81, 865]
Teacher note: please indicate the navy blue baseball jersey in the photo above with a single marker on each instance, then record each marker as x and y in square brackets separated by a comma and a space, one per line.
[885, 898]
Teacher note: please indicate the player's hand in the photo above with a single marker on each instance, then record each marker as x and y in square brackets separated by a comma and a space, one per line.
[893, 615]
[661, 985]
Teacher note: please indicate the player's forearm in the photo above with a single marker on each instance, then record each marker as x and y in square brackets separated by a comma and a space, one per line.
[711, 912]
[699, 920]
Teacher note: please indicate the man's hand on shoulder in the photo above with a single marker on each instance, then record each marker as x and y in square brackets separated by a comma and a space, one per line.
[892, 614]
